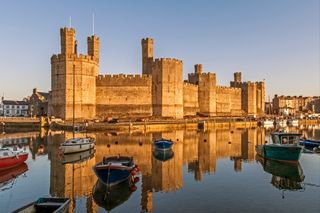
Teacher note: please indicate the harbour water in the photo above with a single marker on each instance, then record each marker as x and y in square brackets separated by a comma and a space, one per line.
[209, 171]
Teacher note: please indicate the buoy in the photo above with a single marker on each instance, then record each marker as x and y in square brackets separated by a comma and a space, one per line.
[136, 180]
[133, 188]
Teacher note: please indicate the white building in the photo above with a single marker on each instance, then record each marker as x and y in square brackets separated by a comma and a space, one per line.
[14, 108]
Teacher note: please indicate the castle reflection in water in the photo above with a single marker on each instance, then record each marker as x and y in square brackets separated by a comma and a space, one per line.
[199, 151]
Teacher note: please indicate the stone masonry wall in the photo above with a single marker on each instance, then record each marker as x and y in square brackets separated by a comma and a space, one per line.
[123, 95]
[167, 88]
[190, 99]
[228, 101]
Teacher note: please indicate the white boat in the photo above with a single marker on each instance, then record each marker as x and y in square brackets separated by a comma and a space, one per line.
[293, 122]
[268, 123]
[74, 145]
[283, 123]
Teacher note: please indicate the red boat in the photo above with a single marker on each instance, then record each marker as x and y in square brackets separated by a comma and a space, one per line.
[10, 158]
[8, 176]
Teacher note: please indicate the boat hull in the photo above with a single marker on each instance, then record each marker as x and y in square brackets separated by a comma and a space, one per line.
[310, 144]
[55, 205]
[163, 144]
[12, 161]
[111, 176]
[280, 153]
[75, 148]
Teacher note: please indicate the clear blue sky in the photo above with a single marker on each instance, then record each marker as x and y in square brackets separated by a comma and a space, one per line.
[275, 40]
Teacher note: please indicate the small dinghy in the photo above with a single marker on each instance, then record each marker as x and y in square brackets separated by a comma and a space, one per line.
[10, 158]
[75, 145]
[48, 205]
[115, 169]
[163, 144]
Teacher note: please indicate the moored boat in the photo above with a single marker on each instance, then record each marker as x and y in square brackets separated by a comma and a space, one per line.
[75, 145]
[310, 144]
[54, 205]
[163, 155]
[163, 144]
[293, 122]
[78, 157]
[115, 169]
[8, 176]
[284, 176]
[111, 197]
[285, 147]
[10, 158]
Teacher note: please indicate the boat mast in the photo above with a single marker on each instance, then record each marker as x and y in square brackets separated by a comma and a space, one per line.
[73, 100]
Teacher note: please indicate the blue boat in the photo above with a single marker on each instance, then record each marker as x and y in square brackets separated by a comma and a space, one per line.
[285, 147]
[310, 144]
[115, 169]
[163, 144]
[163, 155]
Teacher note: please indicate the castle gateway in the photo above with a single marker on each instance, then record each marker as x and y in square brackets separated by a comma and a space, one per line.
[159, 91]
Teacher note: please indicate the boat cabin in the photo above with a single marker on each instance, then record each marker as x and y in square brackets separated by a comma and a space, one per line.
[285, 138]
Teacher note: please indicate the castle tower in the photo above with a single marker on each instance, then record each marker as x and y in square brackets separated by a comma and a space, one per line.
[207, 94]
[93, 43]
[193, 78]
[198, 69]
[236, 80]
[73, 79]
[167, 88]
[147, 55]
[237, 77]
[68, 41]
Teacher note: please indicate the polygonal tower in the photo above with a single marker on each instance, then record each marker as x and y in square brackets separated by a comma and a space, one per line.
[73, 79]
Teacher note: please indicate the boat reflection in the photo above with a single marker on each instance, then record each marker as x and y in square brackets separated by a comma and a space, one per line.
[284, 176]
[7, 177]
[78, 157]
[163, 155]
[109, 197]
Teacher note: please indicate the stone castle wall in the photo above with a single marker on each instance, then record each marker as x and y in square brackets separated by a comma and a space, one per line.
[160, 91]
[228, 101]
[123, 95]
[190, 99]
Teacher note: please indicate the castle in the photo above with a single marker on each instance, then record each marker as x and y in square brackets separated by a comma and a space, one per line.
[160, 91]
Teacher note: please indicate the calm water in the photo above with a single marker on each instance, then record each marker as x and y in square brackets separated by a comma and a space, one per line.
[212, 171]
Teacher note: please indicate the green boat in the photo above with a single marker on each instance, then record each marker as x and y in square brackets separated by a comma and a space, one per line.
[284, 147]
[285, 176]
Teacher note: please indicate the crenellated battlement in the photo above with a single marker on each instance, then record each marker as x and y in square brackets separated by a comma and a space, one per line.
[168, 60]
[208, 74]
[73, 57]
[228, 90]
[67, 30]
[124, 80]
[190, 85]
[149, 40]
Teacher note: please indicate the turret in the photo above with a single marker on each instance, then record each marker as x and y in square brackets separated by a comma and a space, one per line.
[237, 77]
[198, 69]
[93, 46]
[67, 41]
[147, 55]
